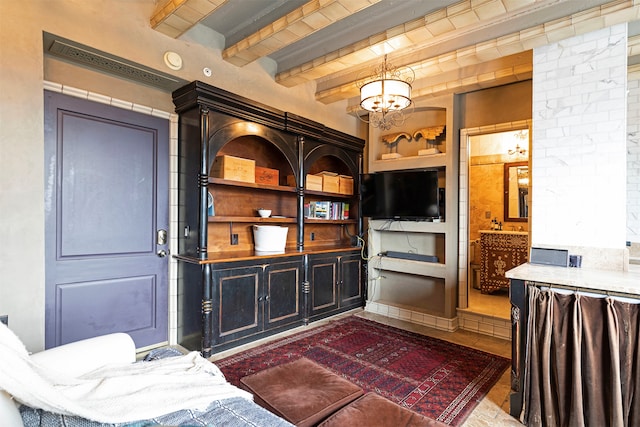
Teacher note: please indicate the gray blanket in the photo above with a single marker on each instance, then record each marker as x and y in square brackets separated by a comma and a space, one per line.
[234, 412]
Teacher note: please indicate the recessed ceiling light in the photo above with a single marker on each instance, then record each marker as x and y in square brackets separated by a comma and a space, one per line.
[173, 60]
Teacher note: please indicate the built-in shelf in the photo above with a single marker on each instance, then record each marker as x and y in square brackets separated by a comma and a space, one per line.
[409, 266]
[408, 226]
[410, 288]
[411, 162]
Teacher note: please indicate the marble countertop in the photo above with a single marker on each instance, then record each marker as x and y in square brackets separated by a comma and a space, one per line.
[623, 282]
[504, 232]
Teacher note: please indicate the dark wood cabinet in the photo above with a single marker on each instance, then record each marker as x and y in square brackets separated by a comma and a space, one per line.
[519, 313]
[351, 273]
[323, 284]
[251, 299]
[227, 292]
[335, 283]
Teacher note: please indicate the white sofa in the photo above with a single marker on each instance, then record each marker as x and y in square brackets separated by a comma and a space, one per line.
[74, 359]
[82, 357]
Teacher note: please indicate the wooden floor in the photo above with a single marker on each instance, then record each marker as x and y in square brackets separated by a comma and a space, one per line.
[493, 410]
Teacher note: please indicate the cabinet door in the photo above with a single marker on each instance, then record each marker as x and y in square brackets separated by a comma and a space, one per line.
[282, 294]
[323, 278]
[351, 281]
[236, 291]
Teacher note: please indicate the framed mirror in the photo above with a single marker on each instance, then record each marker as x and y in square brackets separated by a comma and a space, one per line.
[516, 191]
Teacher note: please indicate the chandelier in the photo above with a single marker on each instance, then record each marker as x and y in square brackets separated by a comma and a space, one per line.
[518, 150]
[522, 135]
[386, 94]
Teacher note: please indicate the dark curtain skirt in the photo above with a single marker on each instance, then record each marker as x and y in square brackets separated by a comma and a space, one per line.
[582, 362]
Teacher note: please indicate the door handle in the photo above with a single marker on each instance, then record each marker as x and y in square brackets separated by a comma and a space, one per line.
[162, 253]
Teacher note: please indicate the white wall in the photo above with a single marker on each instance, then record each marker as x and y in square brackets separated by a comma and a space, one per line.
[120, 28]
[579, 146]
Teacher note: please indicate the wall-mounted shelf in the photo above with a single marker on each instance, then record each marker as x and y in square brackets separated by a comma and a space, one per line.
[410, 162]
[408, 226]
[418, 286]
[422, 268]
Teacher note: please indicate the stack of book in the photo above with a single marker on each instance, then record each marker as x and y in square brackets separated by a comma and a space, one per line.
[326, 210]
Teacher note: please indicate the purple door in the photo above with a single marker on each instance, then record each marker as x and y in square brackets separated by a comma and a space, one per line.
[107, 217]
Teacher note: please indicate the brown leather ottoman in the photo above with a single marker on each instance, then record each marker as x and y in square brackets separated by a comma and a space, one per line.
[302, 392]
[372, 410]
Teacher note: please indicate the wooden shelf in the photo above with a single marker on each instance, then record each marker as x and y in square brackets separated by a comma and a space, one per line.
[234, 256]
[252, 219]
[329, 221]
[326, 194]
[281, 188]
[258, 219]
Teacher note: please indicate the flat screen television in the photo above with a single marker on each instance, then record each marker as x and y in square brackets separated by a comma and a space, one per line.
[402, 195]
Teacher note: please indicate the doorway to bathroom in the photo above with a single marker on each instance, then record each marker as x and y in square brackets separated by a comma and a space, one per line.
[494, 194]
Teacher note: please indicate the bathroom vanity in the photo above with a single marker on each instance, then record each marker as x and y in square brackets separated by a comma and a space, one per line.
[500, 252]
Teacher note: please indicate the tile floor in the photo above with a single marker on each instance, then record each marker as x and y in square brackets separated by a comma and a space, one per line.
[495, 304]
[492, 411]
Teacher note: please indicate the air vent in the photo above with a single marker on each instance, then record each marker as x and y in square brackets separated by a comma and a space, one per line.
[97, 60]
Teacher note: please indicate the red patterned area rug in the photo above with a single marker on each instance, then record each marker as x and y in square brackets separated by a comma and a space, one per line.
[432, 377]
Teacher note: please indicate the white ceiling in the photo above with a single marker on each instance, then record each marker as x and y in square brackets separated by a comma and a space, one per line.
[448, 43]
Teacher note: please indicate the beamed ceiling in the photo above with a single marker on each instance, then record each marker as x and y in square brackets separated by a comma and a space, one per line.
[453, 46]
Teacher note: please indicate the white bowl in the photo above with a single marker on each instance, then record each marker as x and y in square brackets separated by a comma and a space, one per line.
[264, 213]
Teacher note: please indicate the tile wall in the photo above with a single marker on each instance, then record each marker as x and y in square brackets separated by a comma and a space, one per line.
[633, 159]
[579, 149]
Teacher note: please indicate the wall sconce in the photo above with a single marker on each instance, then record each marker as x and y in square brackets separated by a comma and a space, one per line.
[386, 94]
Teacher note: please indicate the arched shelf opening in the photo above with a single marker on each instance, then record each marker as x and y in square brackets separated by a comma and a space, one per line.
[267, 148]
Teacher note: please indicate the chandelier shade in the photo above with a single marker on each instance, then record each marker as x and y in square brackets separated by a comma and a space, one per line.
[385, 95]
